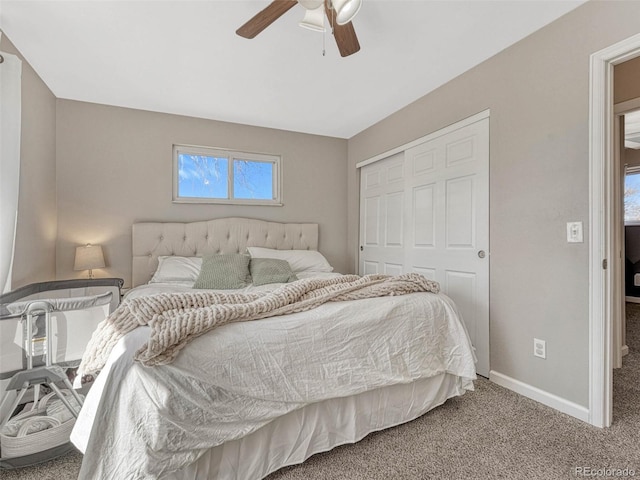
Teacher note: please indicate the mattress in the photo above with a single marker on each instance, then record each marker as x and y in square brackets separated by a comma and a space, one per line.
[229, 387]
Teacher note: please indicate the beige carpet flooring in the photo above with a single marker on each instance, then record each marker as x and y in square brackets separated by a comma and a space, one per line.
[491, 433]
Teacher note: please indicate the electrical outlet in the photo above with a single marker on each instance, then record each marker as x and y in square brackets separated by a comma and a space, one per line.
[539, 348]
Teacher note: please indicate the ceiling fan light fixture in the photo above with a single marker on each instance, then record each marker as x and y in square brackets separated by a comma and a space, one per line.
[311, 4]
[346, 10]
[344, 35]
[314, 19]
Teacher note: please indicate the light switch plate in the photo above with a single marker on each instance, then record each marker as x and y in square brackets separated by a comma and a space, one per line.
[574, 232]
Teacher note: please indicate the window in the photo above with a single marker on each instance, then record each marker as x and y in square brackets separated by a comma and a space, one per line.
[210, 175]
[632, 196]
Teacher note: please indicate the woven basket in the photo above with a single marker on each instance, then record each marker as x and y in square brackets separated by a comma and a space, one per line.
[26, 444]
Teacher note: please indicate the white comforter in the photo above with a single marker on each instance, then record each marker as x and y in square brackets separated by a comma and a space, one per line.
[141, 422]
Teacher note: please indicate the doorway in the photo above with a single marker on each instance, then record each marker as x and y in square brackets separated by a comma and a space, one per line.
[605, 237]
[628, 156]
[630, 159]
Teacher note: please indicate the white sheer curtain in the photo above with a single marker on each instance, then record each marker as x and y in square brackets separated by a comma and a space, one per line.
[10, 123]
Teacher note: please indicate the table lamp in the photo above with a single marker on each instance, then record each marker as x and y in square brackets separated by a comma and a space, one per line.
[89, 257]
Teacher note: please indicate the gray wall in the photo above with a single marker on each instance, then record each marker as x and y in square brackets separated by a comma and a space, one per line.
[631, 156]
[114, 167]
[538, 93]
[625, 81]
[34, 258]
[626, 86]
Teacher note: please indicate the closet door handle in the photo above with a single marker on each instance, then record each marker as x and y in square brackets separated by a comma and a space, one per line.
[482, 254]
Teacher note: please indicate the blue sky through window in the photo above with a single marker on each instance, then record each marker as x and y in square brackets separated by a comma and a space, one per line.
[632, 198]
[252, 180]
[203, 176]
[211, 175]
[207, 176]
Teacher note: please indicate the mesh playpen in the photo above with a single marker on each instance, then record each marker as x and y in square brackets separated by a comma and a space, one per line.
[44, 329]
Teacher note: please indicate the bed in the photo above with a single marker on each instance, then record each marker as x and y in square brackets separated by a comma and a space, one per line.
[248, 398]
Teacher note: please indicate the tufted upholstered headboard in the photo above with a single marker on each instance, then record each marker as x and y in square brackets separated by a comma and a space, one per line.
[223, 235]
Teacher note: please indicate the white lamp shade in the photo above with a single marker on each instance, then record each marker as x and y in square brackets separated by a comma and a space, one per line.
[89, 257]
[311, 4]
[314, 19]
[346, 10]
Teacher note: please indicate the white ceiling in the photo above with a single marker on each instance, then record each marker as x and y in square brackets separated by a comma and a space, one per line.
[184, 57]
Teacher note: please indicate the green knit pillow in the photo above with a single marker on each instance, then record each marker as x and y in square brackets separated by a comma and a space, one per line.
[224, 272]
[271, 270]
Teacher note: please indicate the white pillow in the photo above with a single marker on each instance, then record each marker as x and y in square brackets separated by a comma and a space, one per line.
[300, 260]
[172, 269]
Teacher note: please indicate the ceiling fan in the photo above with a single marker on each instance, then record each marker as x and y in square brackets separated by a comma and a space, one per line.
[339, 13]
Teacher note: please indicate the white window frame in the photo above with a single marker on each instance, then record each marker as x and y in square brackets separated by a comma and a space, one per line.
[231, 156]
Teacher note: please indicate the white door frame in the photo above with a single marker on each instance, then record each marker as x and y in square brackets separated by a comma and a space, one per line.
[602, 221]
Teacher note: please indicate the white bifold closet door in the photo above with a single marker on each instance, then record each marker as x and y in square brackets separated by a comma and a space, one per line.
[426, 210]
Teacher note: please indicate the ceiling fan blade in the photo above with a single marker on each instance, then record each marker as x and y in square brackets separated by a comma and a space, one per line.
[264, 18]
[345, 35]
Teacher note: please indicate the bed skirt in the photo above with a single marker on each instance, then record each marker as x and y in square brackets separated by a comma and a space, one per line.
[319, 427]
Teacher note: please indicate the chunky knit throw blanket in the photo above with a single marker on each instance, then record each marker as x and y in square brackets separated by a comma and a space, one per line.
[177, 318]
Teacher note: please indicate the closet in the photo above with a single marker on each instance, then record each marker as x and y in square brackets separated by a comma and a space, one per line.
[424, 208]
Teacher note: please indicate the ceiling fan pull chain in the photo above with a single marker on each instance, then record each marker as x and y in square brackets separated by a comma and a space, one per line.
[332, 17]
[324, 42]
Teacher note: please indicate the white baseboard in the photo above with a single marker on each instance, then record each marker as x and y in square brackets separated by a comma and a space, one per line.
[546, 398]
[632, 299]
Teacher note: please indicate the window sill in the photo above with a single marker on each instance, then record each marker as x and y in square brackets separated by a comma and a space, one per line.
[270, 203]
